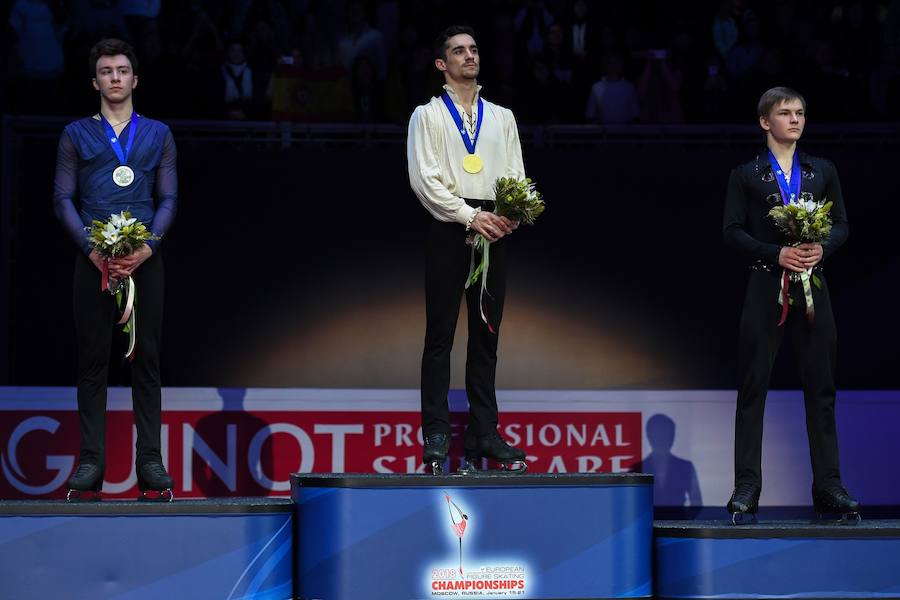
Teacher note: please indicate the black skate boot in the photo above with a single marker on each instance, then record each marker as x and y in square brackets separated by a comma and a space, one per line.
[434, 453]
[833, 501]
[155, 483]
[744, 503]
[85, 483]
[493, 447]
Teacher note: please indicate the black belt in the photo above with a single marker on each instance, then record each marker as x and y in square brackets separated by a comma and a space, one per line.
[767, 267]
[482, 204]
[761, 265]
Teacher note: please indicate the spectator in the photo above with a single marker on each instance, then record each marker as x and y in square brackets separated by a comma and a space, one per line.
[543, 104]
[613, 100]
[582, 39]
[387, 21]
[145, 9]
[235, 84]
[417, 70]
[279, 18]
[891, 34]
[558, 55]
[659, 89]
[368, 96]
[884, 85]
[503, 55]
[263, 53]
[562, 73]
[715, 92]
[362, 41]
[531, 24]
[725, 29]
[581, 31]
[319, 40]
[835, 50]
[38, 55]
[203, 48]
[832, 80]
[137, 14]
[743, 57]
[157, 66]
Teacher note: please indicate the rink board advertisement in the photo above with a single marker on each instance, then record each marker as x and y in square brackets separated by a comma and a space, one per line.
[247, 442]
[481, 540]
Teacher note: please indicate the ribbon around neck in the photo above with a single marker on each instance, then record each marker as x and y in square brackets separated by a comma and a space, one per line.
[790, 191]
[114, 139]
[457, 118]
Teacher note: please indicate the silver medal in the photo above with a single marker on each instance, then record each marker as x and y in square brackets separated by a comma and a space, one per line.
[123, 176]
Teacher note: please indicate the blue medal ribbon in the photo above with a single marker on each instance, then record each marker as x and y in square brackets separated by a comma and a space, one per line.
[470, 144]
[789, 191]
[114, 139]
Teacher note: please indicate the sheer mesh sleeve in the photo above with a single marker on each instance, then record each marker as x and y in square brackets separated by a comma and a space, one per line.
[166, 192]
[65, 184]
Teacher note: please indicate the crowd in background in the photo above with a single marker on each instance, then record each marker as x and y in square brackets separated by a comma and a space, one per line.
[551, 61]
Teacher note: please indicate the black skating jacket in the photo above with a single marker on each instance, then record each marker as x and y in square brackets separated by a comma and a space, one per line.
[753, 190]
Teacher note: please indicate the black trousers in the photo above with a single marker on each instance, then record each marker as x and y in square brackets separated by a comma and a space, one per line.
[816, 350]
[447, 260]
[95, 317]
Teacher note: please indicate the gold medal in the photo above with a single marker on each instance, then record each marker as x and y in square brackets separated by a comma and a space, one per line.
[123, 176]
[472, 163]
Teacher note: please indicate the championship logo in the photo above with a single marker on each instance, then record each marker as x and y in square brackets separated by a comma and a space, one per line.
[458, 521]
[473, 573]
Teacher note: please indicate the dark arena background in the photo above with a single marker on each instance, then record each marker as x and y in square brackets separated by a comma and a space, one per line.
[294, 291]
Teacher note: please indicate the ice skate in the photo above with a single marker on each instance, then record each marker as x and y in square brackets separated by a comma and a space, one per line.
[155, 483]
[492, 447]
[744, 503]
[434, 453]
[85, 483]
[834, 503]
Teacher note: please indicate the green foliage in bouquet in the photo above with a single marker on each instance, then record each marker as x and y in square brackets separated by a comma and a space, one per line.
[120, 236]
[515, 199]
[518, 200]
[803, 222]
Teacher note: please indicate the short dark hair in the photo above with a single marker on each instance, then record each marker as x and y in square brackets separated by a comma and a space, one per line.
[112, 47]
[440, 44]
[775, 96]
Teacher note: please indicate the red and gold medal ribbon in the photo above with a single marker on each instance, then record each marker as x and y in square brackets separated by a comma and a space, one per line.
[104, 276]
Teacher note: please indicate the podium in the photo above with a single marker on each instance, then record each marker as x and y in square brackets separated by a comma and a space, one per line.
[390, 537]
[226, 548]
[779, 559]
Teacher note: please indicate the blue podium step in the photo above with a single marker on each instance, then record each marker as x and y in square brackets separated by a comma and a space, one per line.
[227, 549]
[778, 559]
[402, 536]
[389, 537]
